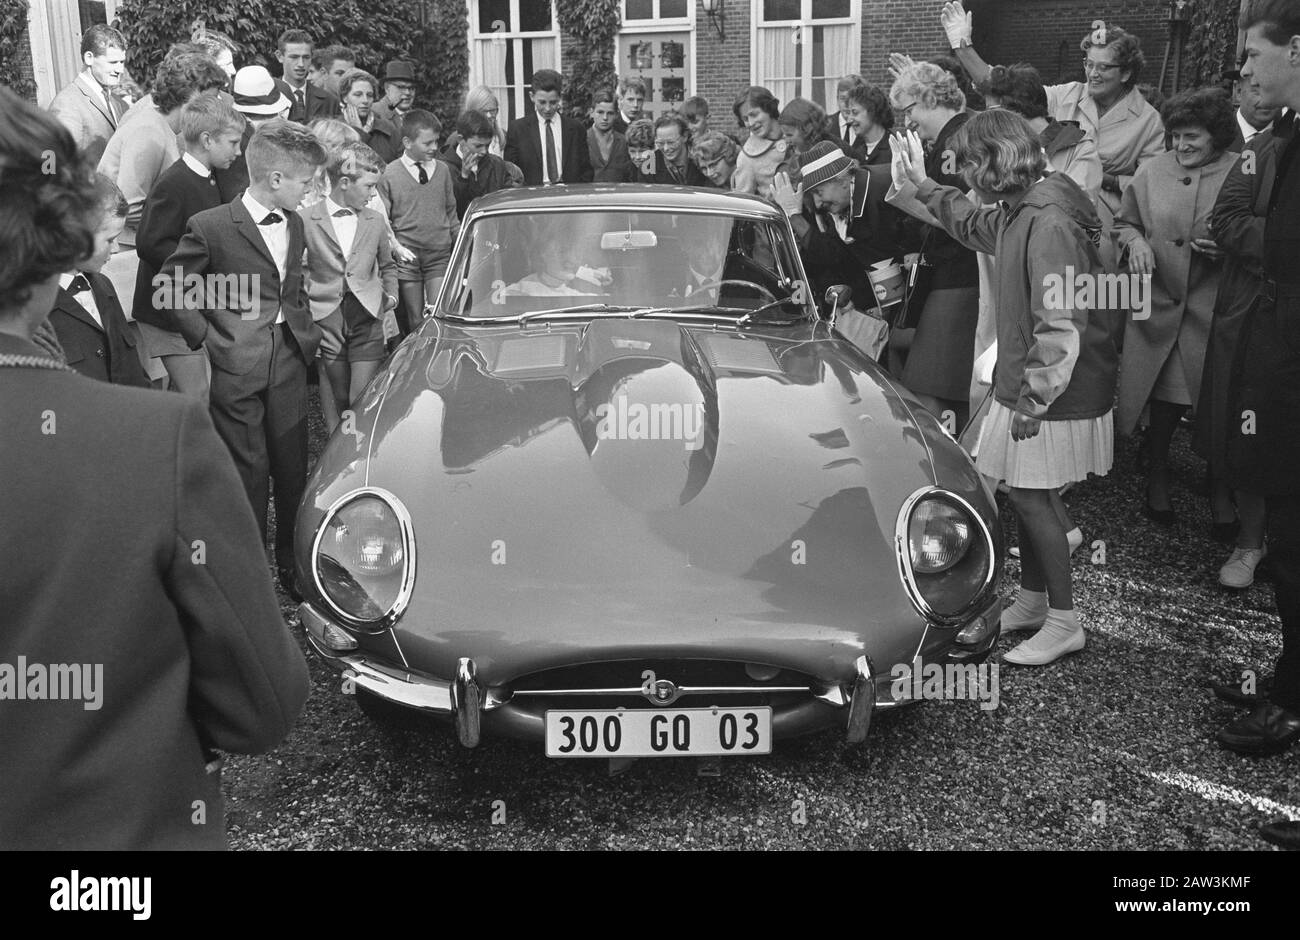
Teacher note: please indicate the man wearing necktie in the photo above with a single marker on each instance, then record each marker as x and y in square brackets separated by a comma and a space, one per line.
[307, 101]
[88, 107]
[547, 147]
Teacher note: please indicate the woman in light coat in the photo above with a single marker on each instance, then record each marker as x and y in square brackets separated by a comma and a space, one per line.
[1162, 230]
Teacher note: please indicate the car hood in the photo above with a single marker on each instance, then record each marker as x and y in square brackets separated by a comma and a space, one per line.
[619, 489]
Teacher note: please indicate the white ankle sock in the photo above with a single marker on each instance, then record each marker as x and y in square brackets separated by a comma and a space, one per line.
[1030, 607]
[1059, 625]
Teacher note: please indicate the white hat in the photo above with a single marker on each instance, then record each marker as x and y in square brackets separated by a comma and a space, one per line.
[256, 93]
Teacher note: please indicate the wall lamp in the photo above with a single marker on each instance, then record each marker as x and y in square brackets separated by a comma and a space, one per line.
[717, 16]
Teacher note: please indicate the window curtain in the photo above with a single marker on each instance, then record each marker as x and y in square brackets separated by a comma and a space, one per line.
[492, 69]
[778, 62]
[839, 58]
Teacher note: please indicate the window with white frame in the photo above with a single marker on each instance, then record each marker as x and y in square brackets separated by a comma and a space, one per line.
[803, 47]
[509, 40]
[656, 44]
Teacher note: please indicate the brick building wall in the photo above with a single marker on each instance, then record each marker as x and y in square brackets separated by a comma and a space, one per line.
[1045, 33]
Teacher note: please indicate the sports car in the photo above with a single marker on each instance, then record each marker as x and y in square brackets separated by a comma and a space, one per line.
[627, 493]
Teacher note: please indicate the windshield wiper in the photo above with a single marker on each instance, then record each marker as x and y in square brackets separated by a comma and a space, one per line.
[523, 318]
[580, 308]
[722, 312]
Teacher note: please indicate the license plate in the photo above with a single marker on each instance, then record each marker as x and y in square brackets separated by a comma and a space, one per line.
[643, 732]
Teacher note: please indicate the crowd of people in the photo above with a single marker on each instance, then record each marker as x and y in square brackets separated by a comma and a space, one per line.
[339, 200]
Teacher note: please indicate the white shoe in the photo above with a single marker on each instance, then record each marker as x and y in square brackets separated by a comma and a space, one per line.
[1239, 570]
[1074, 538]
[1039, 650]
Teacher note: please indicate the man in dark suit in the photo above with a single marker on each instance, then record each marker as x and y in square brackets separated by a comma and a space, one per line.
[258, 331]
[167, 644]
[307, 101]
[88, 106]
[1272, 389]
[1252, 117]
[548, 148]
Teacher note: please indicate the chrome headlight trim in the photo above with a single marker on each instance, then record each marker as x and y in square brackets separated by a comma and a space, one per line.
[407, 587]
[908, 576]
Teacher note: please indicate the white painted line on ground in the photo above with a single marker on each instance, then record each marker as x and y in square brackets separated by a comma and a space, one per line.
[1217, 791]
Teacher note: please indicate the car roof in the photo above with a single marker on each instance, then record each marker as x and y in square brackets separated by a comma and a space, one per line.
[642, 196]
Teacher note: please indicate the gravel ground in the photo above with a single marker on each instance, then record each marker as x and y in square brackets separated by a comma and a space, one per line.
[1111, 748]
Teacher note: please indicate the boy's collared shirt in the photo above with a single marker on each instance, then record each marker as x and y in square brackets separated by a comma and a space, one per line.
[413, 167]
[196, 166]
[275, 236]
[85, 297]
[344, 222]
[557, 133]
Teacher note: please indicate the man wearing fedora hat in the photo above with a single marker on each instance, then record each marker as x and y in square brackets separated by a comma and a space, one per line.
[258, 98]
[399, 92]
[838, 212]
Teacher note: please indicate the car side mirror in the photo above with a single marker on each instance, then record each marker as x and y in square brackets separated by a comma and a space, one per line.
[837, 296]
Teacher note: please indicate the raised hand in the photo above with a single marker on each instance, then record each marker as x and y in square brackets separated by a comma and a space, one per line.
[897, 62]
[957, 24]
[786, 195]
[907, 162]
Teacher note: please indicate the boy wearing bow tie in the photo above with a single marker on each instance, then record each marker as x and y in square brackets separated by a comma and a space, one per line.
[87, 317]
[260, 335]
[351, 276]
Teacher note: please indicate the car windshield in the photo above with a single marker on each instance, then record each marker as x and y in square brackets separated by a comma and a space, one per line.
[623, 262]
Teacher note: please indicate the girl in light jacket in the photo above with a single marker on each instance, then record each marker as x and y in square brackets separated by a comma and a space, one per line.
[1050, 421]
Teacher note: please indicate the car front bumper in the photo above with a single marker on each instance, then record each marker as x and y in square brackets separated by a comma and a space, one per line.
[474, 707]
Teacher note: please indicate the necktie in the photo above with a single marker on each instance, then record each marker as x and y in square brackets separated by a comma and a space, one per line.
[300, 104]
[552, 167]
[424, 177]
[341, 212]
[271, 219]
[846, 134]
[79, 284]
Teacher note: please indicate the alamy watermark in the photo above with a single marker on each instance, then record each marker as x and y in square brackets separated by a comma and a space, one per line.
[921, 681]
[634, 421]
[1084, 290]
[74, 682]
[235, 292]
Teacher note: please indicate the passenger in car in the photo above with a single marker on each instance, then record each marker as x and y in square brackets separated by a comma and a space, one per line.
[559, 271]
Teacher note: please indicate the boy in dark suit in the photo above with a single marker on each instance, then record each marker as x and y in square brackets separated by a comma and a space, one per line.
[262, 338]
[548, 148]
[87, 316]
[212, 131]
[351, 277]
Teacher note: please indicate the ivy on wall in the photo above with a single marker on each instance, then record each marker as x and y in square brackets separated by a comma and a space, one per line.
[13, 47]
[431, 34]
[1211, 46]
[593, 26]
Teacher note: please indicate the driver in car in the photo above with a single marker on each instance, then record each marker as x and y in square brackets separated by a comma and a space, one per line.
[559, 272]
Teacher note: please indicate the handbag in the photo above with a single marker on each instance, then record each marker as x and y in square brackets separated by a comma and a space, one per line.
[920, 281]
[868, 333]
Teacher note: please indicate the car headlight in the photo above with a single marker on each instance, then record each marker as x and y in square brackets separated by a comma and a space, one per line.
[938, 535]
[946, 554]
[363, 559]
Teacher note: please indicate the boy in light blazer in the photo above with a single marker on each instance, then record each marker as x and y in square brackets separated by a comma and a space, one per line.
[351, 276]
[260, 336]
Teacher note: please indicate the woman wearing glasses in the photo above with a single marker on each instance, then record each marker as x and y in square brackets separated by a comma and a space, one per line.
[1106, 104]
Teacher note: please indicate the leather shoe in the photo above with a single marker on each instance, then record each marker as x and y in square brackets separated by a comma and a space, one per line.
[289, 581]
[1268, 729]
[1164, 517]
[1231, 693]
[1285, 833]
